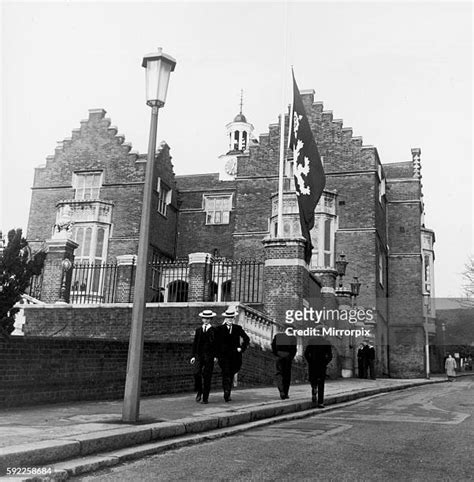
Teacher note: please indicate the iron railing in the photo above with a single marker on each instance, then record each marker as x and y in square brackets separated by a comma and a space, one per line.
[93, 283]
[237, 280]
[35, 286]
[169, 281]
[224, 280]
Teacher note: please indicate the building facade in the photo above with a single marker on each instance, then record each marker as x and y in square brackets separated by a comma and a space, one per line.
[369, 211]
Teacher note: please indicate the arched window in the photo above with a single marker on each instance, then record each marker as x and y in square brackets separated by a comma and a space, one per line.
[178, 291]
[213, 291]
[244, 140]
[226, 291]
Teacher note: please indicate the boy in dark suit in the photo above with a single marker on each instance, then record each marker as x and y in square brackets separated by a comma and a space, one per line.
[284, 348]
[204, 347]
[318, 354]
[232, 341]
[369, 355]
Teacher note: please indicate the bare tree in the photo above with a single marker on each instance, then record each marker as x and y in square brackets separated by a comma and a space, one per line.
[468, 279]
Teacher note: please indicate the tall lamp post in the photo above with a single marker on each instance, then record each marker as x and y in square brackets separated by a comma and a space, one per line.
[158, 69]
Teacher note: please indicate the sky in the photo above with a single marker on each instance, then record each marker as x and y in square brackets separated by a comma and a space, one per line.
[399, 73]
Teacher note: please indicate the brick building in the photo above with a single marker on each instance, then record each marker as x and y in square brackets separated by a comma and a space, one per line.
[371, 212]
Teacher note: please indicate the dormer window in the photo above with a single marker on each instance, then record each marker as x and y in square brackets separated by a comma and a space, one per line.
[87, 185]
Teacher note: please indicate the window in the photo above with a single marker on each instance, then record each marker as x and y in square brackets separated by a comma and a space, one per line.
[164, 197]
[289, 180]
[323, 232]
[381, 183]
[327, 242]
[322, 237]
[381, 189]
[91, 254]
[87, 185]
[218, 209]
[427, 263]
[381, 271]
[92, 240]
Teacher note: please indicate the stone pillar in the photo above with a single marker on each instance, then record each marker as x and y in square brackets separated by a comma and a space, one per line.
[200, 276]
[286, 277]
[328, 277]
[347, 342]
[56, 277]
[126, 270]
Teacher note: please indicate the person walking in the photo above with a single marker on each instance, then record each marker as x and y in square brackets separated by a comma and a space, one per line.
[450, 367]
[369, 355]
[231, 341]
[361, 361]
[284, 348]
[318, 354]
[204, 347]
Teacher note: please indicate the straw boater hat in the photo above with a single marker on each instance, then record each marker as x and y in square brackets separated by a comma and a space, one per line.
[207, 314]
[230, 313]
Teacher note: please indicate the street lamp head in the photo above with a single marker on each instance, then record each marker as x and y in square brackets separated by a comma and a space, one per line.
[158, 67]
[355, 286]
[341, 264]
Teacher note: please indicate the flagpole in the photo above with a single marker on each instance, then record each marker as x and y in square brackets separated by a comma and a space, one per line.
[280, 176]
[281, 170]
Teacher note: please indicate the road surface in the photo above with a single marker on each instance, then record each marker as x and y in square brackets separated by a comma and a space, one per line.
[424, 433]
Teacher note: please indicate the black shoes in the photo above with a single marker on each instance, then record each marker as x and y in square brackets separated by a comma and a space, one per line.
[321, 405]
[284, 396]
[227, 397]
[205, 402]
[198, 396]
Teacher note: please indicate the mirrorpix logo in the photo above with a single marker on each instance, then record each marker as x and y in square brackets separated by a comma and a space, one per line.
[363, 315]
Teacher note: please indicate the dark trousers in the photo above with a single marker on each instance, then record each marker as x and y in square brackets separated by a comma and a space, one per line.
[370, 369]
[229, 367]
[361, 364]
[203, 368]
[283, 375]
[317, 377]
[317, 385]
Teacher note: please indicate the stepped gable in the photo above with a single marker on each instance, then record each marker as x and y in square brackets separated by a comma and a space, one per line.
[163, 164]
[96, 145]
[340, 149]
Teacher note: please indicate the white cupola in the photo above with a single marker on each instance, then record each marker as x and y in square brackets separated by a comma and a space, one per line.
[239, 131]
[239, 134]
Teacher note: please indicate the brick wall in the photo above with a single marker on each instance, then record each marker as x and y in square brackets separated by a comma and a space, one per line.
[45, 370]
[42, 370]
[406, 352]
[357, 192]
[254, 204]
[195, 236]
[193, 233]
[163, 322]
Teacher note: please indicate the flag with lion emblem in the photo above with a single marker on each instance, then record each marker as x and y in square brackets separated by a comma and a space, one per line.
[308, 168]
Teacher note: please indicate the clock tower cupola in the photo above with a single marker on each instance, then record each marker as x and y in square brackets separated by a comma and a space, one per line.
[239, 134]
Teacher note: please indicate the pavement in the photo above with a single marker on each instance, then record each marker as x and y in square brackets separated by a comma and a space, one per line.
[68, 439]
